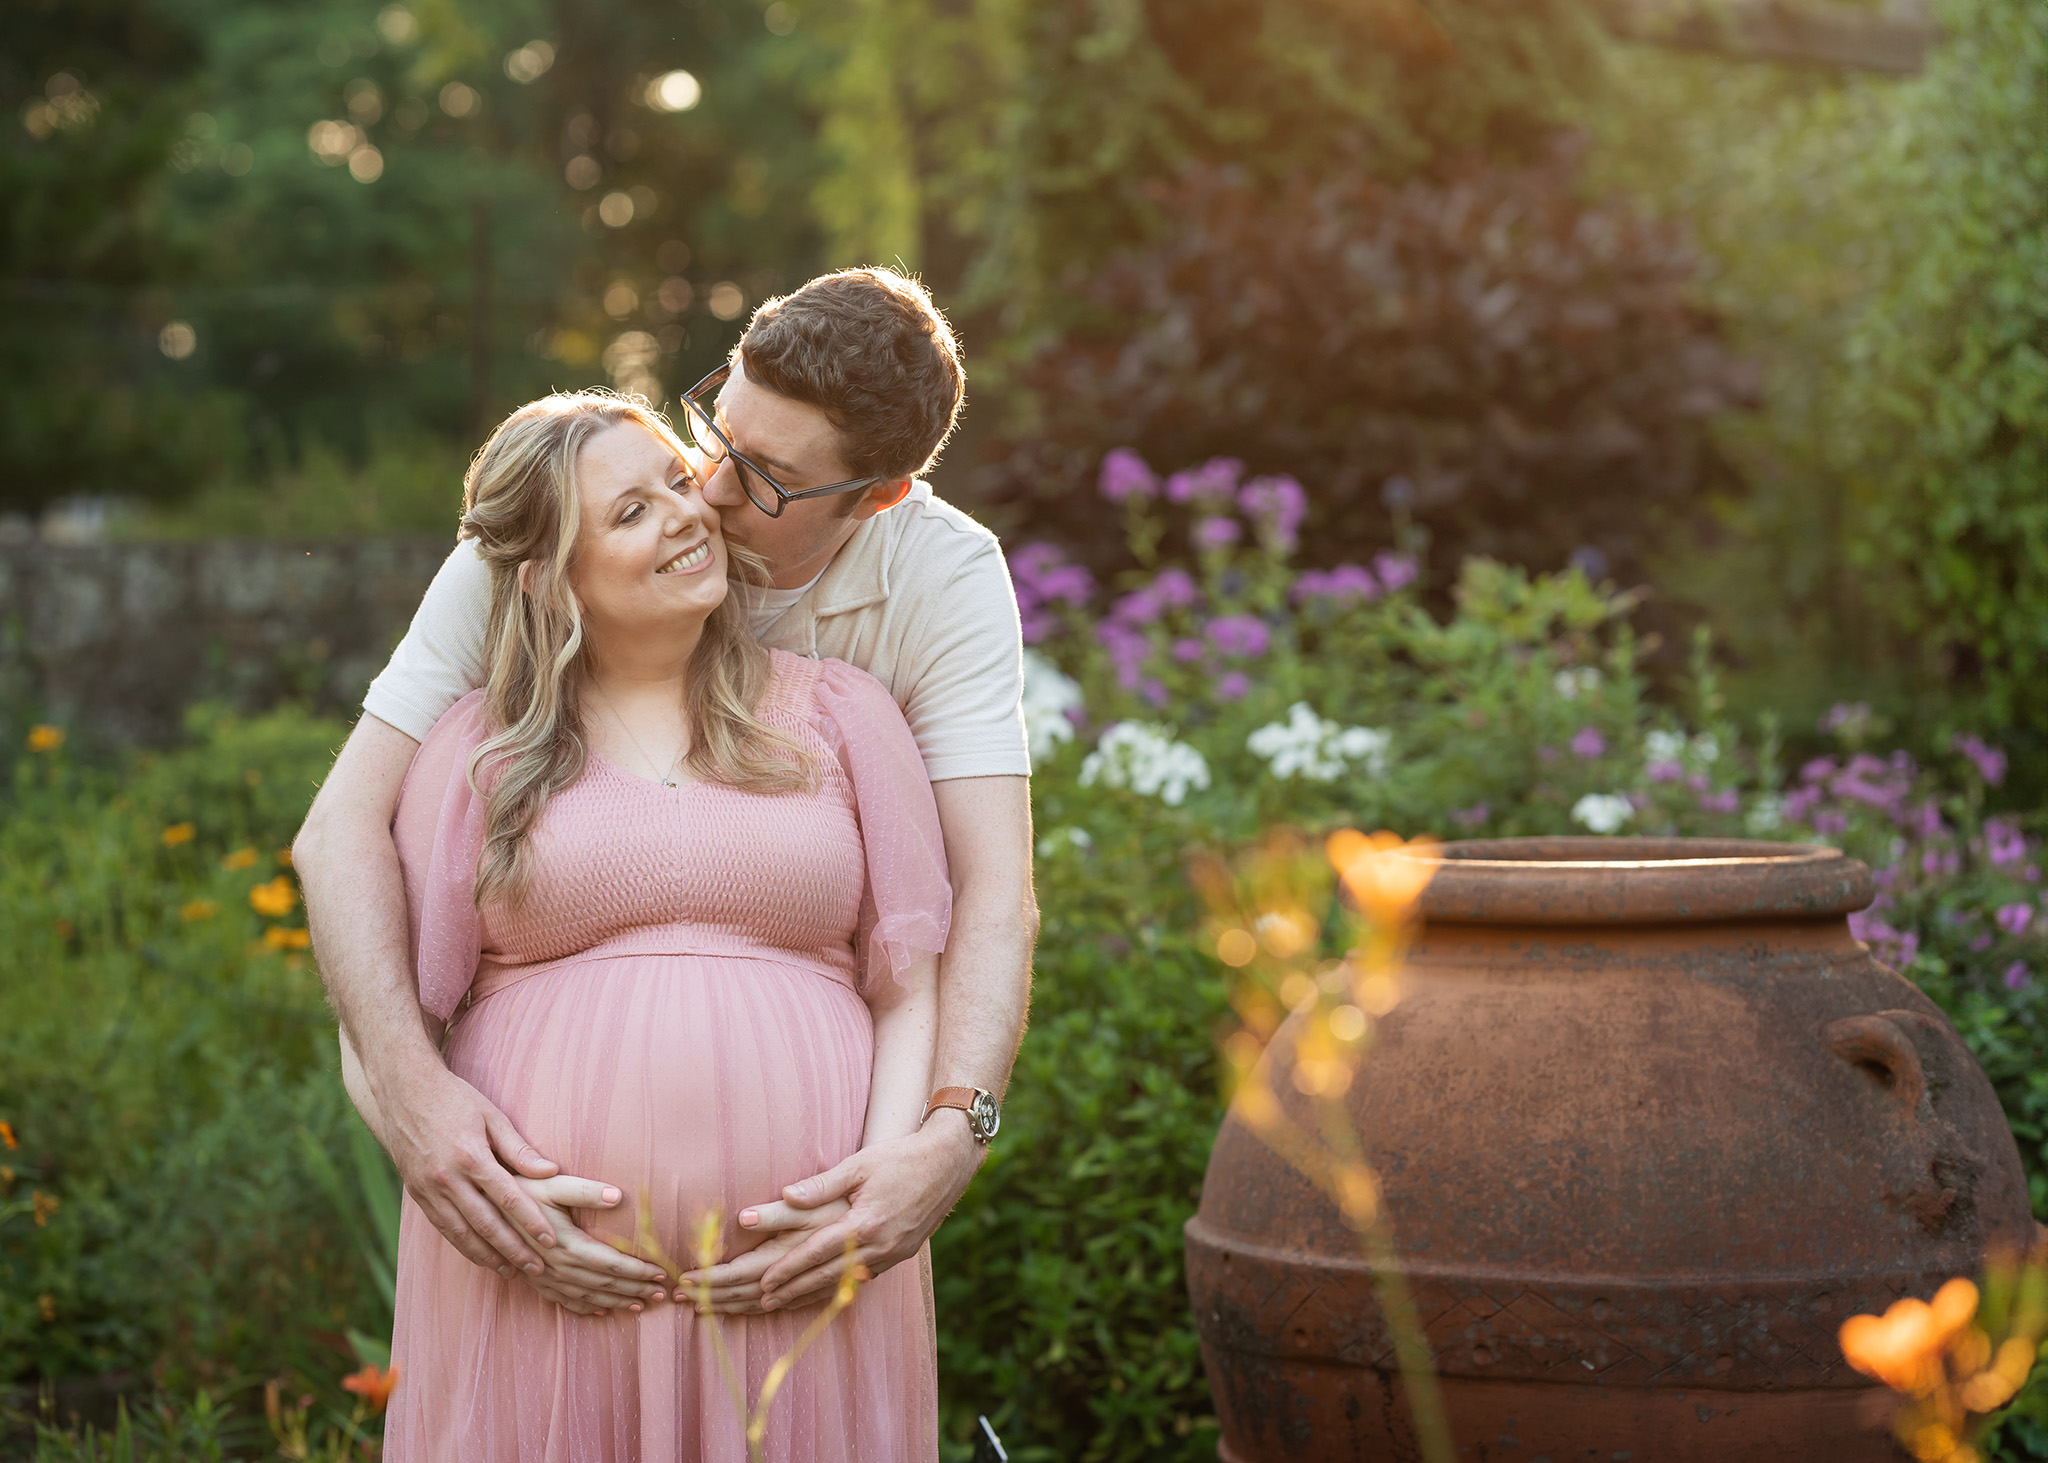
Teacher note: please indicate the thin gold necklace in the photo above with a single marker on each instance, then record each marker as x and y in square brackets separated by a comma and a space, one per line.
[660, 774]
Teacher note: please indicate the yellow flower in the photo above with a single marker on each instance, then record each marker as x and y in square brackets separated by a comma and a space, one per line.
[45, 1206]
[277, 937]
[241, 858]
[48, 1307]
[178, 833]
[45, 738]
[275, 899]
[198, 909]
[284, 858]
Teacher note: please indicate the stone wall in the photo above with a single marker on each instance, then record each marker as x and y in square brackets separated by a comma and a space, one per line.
[113, 640]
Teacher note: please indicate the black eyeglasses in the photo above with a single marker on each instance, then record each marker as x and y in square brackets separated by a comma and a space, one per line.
[701, 431]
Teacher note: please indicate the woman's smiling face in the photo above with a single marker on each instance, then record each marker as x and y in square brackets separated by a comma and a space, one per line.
[650, 557]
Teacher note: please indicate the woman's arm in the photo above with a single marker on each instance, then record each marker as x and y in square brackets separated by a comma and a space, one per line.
[906, 1012]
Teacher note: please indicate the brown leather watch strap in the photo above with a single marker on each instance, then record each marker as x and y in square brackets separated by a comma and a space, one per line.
[960, 1097]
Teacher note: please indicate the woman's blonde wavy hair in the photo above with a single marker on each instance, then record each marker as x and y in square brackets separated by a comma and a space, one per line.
[525, 512]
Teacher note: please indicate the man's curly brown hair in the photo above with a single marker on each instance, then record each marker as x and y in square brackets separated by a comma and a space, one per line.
[870, 349]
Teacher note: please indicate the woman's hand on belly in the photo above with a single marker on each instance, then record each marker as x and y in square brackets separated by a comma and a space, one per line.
[579, 1273]
[735, 1286]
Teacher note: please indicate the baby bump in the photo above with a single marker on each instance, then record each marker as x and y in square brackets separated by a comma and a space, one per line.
[705, 1083]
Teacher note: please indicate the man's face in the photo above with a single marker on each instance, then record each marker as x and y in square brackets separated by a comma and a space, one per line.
[798, 444]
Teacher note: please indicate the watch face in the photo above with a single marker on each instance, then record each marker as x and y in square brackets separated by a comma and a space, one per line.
[987, 1117]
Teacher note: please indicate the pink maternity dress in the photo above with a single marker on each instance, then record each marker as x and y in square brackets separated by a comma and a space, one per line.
[675, 1009]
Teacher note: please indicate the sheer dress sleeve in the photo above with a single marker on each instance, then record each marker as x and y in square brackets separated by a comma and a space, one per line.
[907, 906]
[439, 830]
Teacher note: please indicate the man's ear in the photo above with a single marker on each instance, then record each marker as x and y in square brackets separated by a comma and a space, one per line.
[881, 498]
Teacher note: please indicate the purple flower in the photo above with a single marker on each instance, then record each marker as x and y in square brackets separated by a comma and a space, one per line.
[1546, 754]
[1176, 590]
[1128, 650]
[1820, 769]
[1799, 802]
[1154, 692]
[1980, 943]
[2004, 844]
[1212, 485]
[1846, 717]
[1139, 607]
[1927, 820]
[1471, 817]
[1724, 801]
[1830, 823]
[1185, 649]
[1897, 948]
[2031, 873]
[1939, 861]
[1042, 579]
[1666, 771]
[1395, 571]
[2014, 918]
[1588, 743]
[1217, 533]
[1240, 635]
[1125, 476]
[1231, 686]
[1277, 505]
[1990, 760]
[2016, 975]
[1345, 582]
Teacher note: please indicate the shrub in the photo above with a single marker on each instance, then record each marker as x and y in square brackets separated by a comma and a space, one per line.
[1517, 370]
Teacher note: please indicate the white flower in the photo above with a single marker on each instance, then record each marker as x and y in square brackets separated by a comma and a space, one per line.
[1603, 812]
[1705, 747]
[1306, 745]
[1664, 746]
[1569, 682]
[1146, 759]
[1765, 814]
[1049, 693]
[1061, 839]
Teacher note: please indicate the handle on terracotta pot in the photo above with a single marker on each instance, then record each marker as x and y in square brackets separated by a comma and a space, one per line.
[1880, 1042]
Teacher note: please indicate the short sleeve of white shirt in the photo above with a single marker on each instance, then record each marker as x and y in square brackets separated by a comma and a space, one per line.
[441, 658]
[965, 705]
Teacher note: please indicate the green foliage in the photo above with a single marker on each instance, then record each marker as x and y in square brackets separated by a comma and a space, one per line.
[157, 1060]
[370, 225]
[1878, 245]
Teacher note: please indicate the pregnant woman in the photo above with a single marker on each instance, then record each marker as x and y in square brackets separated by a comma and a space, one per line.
[680, 900]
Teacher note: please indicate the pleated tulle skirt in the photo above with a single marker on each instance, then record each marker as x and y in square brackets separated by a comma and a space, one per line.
[697, 1084]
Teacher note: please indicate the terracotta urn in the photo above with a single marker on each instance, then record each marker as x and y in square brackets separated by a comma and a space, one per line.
[1649, 1123]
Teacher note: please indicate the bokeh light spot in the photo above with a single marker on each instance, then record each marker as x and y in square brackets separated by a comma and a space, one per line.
[177, 340]
[675, 91]
[726, 300]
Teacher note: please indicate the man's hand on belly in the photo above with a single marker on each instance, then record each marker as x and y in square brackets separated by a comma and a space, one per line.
[734, 1288]
[899, 1191]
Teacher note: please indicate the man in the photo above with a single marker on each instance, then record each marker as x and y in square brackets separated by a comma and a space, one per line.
[836, 399]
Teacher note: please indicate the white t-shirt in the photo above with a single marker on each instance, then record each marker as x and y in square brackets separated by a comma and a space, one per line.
[919, 598]
[766, 605]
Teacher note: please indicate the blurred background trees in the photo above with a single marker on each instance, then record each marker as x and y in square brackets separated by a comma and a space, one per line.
[1766, 337]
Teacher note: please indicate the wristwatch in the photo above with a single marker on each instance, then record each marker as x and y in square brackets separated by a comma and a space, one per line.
[984, 1114]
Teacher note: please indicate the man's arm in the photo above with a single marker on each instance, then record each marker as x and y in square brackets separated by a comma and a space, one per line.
[438, 1129]
[902, 1189]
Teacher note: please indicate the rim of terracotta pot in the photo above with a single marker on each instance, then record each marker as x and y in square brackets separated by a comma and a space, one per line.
[1638, 881]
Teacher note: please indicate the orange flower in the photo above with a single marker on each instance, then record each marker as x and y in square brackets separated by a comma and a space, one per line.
[7, 1134]
[241, 858]
[277, 937]
[45, 738]
[1385, 873]
[178, 833]
[1903, 1348]
[373, 1384]
[198, 909]
[48, 1306]
[45, 1205]
[275, 899]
